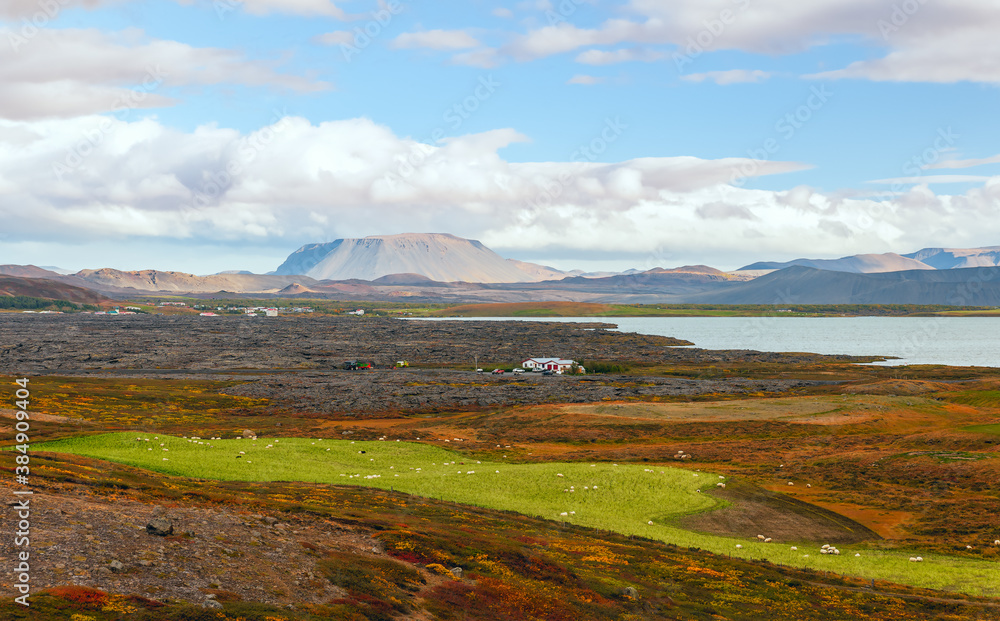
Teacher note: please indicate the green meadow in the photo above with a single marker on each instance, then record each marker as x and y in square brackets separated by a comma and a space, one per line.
[622, 498]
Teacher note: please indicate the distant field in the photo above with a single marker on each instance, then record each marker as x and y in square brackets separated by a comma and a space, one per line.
[526, 309]
[623, 498]
[583, 309]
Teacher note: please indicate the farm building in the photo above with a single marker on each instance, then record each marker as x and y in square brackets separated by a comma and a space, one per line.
[559, 365]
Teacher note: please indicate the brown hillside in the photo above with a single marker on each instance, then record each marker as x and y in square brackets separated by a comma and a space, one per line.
[48, 289]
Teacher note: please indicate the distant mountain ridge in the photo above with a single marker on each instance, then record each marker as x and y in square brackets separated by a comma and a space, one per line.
[956, 258]
[926, 259]
[438, 256]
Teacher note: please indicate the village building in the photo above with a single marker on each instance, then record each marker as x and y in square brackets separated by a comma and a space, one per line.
[558, 365]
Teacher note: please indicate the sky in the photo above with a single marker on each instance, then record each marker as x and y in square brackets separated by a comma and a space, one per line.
[210, 135]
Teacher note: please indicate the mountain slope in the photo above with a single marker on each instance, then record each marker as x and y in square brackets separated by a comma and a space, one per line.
[805, 285]
[440, 257]
[856, 264]
[154, 280]
[47, 289]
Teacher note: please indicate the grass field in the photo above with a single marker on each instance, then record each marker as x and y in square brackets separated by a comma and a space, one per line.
[622, 498]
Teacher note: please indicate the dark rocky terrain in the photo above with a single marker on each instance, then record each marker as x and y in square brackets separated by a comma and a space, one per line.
[297, 362]
[140, 342]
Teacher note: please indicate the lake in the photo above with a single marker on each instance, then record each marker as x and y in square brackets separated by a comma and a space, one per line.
[956, 341]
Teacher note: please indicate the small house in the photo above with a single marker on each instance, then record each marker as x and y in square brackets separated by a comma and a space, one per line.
[558, 365]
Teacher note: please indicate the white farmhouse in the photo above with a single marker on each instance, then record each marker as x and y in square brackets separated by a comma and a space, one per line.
[559, 365]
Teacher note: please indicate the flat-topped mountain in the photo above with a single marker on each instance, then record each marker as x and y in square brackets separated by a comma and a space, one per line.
[439, 257]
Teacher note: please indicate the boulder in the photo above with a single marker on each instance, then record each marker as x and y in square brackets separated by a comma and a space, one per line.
[456, 572]
[631, 593]
[247, 433]
[116, 566]
[160, 526]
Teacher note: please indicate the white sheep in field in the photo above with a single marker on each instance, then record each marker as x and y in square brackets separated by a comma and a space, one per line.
[761, 537]
[794, 548]
[739, 547]
[768, 540]
[721, 485]
[790, 483]
[996, 542]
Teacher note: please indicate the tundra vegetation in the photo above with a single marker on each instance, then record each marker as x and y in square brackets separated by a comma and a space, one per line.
[889, 464]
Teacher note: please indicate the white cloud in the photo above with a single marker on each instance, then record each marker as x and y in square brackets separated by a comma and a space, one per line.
[70, 72]
[938, 42]
[436, 40]
[602, 57]
[951, 164]
[337, 37]
[42, 11]
[929, 179]
[485, 58]
[324, 8]
[960, 55]
[91, 178]
[293, 181]
[585, 80]
[502, 12]
[51, 8]
[732, 76]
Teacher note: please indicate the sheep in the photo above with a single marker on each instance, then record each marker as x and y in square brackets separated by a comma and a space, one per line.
[650, 522]
[761, 537]
[996, 542]
[721, 485]
[790, 483]
[739, 547]
[768, 540]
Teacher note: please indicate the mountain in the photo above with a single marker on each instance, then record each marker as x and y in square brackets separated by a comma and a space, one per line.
[856, 264]
[47, 289]
[806, 285]
[180, 282]
[952, 258]
[440, 257]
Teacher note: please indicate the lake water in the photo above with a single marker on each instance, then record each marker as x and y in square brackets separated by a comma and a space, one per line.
[956, 341]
